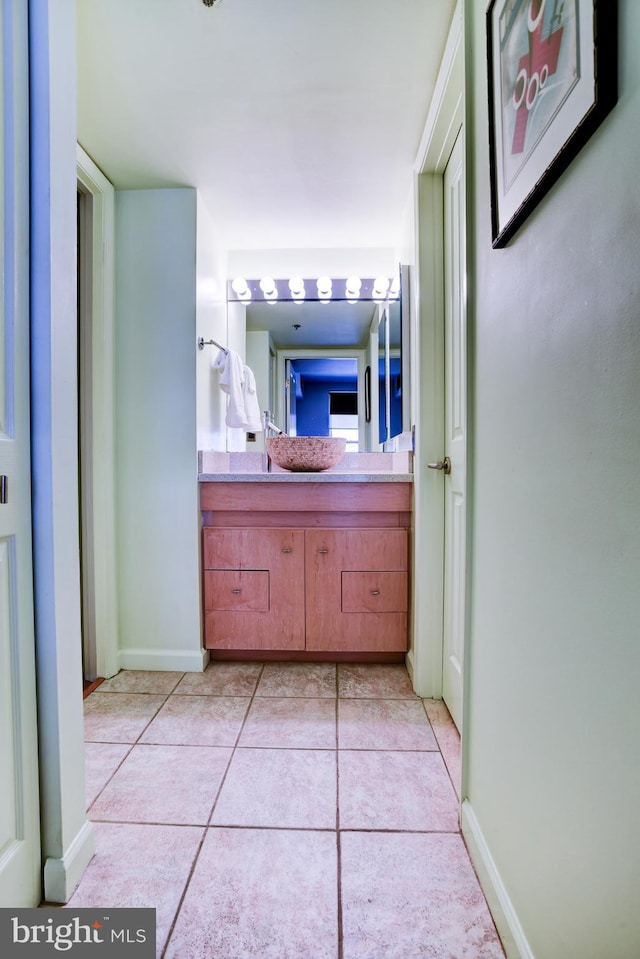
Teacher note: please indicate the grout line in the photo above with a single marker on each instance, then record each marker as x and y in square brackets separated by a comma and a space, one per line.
[104, 786]
[184, 891]
[456, 788]
[208, 823]
[235, 745]
[310, 829]
[402, 832]
[338, 843]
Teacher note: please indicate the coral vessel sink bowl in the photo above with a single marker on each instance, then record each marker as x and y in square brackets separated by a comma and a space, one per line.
[306, 454]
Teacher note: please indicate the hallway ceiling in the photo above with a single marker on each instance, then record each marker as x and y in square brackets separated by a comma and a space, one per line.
[297, 121]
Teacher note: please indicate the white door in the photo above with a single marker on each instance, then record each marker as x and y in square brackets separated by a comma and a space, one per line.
[455, 434]
[19, 804]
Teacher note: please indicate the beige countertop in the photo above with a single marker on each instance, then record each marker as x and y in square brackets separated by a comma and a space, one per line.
[329, 476]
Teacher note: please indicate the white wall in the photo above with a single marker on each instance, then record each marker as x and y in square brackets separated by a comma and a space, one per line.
[553, 725]
[258, 344]
[312, 263]
[211, 324]
[157, 490]
[236, 340]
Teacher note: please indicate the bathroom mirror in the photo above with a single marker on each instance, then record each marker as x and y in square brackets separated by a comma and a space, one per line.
[335, 368]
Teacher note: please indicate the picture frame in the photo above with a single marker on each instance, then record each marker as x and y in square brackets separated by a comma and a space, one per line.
[552, 79]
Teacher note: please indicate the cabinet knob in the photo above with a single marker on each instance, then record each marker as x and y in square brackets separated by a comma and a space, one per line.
[323, 550]
[236, 592]
[374, 592]
[286, 549]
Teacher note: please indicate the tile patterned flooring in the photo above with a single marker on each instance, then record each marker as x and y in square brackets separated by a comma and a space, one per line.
[284, 811]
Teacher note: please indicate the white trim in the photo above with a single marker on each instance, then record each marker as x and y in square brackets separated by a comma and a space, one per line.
[428, 515]
[61, 876]
[446, 109]
[338, 353]
[99, 499]
[444, 120]
[505, 917]
[178, 660]
[52, 52]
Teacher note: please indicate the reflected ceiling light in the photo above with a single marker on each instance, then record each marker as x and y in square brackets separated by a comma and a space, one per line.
[268, 286]
[380, 286]
[324, 284]
[352, 288]
[296, 285]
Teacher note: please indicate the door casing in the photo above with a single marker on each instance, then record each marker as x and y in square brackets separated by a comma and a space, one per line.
[97, 401]
[444, 124]
[20, 845]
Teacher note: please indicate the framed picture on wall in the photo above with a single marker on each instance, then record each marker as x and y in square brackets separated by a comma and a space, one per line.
[552, 72]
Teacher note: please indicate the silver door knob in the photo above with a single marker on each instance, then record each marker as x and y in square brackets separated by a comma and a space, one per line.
[444, 465]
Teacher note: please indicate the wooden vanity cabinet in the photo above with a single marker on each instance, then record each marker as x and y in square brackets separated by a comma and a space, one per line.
[357, 589]
[253, 586]
[312, 570]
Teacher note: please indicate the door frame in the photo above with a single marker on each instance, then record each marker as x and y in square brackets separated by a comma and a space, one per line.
[20, 831]
[444, 124]
[283, 355]
[97, 386]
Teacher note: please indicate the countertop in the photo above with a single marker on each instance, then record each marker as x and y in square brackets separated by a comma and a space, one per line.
[328, 476]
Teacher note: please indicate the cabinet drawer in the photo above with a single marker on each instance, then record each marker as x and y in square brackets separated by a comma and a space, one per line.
[374, 592]
[252, 548]
[356, 549]
[226, 589]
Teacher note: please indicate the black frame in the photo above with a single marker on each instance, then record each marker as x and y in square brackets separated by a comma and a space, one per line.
[605, 94]
[367, 395]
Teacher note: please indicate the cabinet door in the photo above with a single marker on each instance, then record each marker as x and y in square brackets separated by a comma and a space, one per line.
[357, 589]
[267, 567]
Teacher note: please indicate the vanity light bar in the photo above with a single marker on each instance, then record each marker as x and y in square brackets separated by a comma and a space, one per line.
[353, 289]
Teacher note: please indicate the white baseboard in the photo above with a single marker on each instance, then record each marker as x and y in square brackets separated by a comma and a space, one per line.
[166, 660]
[409, 664]
[504, 915]
[61, 876]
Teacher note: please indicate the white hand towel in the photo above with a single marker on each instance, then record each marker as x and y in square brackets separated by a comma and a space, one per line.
[230, 366]
[251, 404]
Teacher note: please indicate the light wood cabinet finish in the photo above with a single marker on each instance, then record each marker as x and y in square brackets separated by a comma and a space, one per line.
[267, 565]
[337, 621]
[306, 570]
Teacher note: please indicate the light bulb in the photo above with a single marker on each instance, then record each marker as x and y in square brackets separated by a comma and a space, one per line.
[296, 285]
[239, 285]
[381, 285]
[352, 286]
[324, 285]
[267, 285]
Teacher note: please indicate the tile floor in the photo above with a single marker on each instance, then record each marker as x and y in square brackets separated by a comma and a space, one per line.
[284, 811]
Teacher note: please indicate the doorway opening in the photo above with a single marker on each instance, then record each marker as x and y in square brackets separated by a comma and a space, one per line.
[96, 420]
[90, 676]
